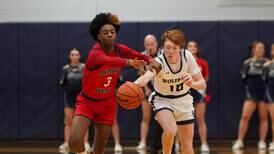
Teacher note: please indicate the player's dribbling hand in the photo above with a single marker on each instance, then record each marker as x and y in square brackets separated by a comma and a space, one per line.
[187, 79]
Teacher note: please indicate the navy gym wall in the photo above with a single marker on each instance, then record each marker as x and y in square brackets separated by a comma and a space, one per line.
[33, 55]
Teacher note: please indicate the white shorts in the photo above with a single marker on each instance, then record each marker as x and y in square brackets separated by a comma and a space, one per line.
[182, 107]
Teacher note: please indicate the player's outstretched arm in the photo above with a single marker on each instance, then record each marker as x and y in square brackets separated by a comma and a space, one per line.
[153, 69]
[129, 53]
[145, 78]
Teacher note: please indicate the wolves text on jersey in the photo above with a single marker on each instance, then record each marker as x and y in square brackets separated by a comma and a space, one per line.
[176, 80]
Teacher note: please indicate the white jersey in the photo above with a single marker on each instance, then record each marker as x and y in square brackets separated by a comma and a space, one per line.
[169, 83]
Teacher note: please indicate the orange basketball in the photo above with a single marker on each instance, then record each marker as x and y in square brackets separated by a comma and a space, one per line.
[130, 95]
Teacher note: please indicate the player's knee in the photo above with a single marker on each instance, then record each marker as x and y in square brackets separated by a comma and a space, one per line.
[263, 119]
[245, 117]
[171, 131]
[200, 120]
[68, 121]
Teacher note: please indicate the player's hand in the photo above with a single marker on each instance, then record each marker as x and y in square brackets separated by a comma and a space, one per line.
[187, 79]
[155, 65]
[137, 64]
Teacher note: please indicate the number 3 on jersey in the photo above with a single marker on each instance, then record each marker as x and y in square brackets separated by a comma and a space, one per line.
[179, 87]
[108, 81]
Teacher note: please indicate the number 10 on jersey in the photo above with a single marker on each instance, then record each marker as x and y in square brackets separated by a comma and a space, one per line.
[177, 87]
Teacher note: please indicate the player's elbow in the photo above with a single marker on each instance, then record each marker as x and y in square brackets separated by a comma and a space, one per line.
[203, 87]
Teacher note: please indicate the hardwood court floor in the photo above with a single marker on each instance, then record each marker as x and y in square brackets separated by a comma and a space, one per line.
[50, 147]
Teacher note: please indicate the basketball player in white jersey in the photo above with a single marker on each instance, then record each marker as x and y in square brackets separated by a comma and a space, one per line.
[174, 73]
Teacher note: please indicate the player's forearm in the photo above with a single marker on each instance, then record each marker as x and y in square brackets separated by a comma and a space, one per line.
[113, 61]
[142, 57]
[134, 54]
[199, 85]
[144, 79]
[93, 63]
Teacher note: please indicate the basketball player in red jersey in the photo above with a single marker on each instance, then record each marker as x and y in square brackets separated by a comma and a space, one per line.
[97, 101]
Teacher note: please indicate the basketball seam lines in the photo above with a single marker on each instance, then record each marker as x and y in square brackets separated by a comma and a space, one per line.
[132, 89]
[125, 95]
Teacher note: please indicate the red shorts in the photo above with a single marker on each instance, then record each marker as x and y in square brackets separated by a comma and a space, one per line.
[99, 112]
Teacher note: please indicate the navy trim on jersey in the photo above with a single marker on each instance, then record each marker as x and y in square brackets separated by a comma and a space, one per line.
[152, 102]
[171, 96]
[181, 64]
[185, 54]
[164, 108]
[161, 60]
[163, 66]
[186, 122]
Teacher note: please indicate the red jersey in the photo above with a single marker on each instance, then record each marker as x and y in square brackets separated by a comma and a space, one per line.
[103, 70]
[204, 67]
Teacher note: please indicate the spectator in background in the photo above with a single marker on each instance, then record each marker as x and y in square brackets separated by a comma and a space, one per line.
[252, 76]
[71, 83]
[152, 50]
[269, 83]
[200, 95]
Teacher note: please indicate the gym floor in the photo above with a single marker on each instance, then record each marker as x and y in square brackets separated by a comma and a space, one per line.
[51, 147]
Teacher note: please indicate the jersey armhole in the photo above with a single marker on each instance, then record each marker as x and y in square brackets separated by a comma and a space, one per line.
[160, 60]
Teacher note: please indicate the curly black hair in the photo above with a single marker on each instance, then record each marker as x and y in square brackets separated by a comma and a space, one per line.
[101, 20]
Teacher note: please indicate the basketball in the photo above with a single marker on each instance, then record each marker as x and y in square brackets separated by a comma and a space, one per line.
[130, 95]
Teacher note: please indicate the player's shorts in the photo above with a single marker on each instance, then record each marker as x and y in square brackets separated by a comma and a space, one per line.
[181, 107]
[70, 100]
[255, 93]
[269, 94]
[98, 111]
[197, 96]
